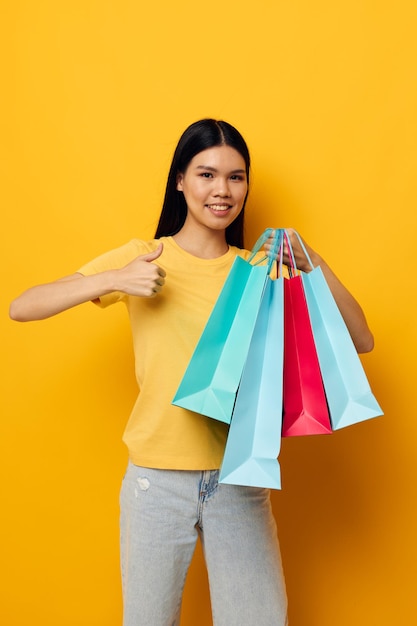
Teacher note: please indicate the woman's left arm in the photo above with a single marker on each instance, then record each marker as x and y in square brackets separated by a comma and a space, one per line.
[350, 309]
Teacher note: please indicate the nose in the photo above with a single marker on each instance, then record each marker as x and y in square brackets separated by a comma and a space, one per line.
[222, 188]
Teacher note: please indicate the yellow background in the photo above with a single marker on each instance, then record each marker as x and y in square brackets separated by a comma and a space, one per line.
[94, 97]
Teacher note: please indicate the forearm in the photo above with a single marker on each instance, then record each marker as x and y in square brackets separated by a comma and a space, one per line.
[350, 309]
[43, 301]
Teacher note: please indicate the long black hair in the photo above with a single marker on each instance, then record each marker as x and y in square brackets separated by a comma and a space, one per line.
[201, 135]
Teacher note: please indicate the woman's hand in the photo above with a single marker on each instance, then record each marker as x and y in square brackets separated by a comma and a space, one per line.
[349, 308]
[301, 261]
[142, 277]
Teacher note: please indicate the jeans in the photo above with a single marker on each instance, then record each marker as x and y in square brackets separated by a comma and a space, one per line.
[162, 514]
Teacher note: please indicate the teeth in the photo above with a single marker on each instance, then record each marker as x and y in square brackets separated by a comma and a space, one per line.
[219, 207]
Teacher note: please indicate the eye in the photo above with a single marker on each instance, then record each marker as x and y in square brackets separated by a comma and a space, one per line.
[237, 177]
[206, 175]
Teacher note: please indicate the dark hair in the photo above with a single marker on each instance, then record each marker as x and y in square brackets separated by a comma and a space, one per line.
[201, 135]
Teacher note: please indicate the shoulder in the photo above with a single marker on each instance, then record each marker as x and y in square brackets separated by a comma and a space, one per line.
[136, 247]
[119, 257]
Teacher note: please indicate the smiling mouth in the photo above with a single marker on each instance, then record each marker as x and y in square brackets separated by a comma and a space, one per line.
[219, 207]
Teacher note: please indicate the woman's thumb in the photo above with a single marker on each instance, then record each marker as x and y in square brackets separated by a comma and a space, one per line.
[151, 256]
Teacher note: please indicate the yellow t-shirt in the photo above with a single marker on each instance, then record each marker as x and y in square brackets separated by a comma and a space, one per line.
[165, 331]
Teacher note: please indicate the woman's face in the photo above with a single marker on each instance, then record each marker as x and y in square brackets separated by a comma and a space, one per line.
[215, 187]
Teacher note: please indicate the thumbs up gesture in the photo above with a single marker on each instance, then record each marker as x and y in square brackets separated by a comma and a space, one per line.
[142, 276]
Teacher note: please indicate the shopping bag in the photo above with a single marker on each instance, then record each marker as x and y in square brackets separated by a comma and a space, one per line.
[212, 377]
[254, 438]
[305, 409]
[348, 392]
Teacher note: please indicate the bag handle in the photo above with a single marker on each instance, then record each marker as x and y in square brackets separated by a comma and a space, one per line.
[304, 250]
[277, 246]
[291, 252]
[260, 243]
[293, 269]
[281, 252]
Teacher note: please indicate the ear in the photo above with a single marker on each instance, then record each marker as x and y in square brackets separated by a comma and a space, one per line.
[180, 178]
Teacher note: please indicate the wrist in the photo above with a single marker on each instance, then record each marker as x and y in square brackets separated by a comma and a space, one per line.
[112, 281]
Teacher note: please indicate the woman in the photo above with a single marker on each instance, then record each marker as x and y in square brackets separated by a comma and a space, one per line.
[170, 493]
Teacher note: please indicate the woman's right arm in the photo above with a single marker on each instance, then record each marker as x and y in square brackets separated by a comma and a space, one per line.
[42, 301]
[141, 277]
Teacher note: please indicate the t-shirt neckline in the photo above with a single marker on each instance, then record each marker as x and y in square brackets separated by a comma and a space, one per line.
[196, 259]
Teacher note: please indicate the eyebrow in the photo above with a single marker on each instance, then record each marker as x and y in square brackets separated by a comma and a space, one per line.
[213, 169]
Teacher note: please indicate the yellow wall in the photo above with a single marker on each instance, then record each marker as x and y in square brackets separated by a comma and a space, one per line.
[95, 95]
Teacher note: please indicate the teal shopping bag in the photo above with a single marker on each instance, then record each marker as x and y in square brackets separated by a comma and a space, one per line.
[348, 392]
[254, 438]
[210, 382]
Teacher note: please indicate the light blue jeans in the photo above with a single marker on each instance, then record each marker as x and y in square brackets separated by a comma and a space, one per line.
[162, 514]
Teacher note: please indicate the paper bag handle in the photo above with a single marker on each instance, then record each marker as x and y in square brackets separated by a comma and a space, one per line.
[277, 246]
[292, 258]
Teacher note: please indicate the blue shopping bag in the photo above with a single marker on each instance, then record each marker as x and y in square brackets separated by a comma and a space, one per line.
[348, 392]
[254, 438]
[211, 380]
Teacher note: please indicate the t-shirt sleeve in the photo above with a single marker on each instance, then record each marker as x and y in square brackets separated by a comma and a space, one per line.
[116, 259]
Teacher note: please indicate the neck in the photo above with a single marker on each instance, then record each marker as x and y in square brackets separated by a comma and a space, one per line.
[205, 245]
